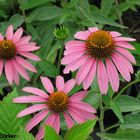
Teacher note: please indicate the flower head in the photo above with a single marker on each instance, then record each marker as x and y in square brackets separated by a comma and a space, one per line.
[13, 50]
[52, 105]
[102, 53]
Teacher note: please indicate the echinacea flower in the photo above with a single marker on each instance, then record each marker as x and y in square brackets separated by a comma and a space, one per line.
[52, 105]
[99, 53]
[13, 50]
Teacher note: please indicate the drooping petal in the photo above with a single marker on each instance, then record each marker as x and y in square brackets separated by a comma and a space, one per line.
[115, 34]
[30, 56]
[75, 64]
[17, 35]
[90, 77]
[121, 68]
[56, 123]
[36, 119]
[32, 109]
[124, 39]
[125, 45]
[79, 96]
[1, 37]
[82, 35]
[25, 64]
[127, 54]
[21, 70]
[9, 32]
[83, 71]
[69, 120]
[29, 99]
[35, 91]
[102, 77]
[94, 29]
[112, 75]
[47, 84]
[9, 72]
[40, 134]
[1, 66]
[50, 120]
[74, 43]
[82, 106]
[16, 75]
[59, 83]
[23, 41]
[69, 85]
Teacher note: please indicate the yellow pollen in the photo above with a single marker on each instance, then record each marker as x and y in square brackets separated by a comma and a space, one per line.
[58, 101]
[7, 49]
[100, 44]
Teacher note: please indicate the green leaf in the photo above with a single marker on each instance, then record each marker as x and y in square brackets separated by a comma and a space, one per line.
[3, 14]
[29, 4]
[44, 13]
[24, 135]
[131, 121]
[127, 103]
[80, 131]
[127, 134]
[48, 68]
[50, 134]
[9, 123]
[116, 110]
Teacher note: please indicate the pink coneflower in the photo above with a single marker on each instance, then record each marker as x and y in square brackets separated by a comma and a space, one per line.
[11, 49]
[54, 104]
[100, 52]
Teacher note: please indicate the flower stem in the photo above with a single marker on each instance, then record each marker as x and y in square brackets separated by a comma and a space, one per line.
[112, 126]
[127, 86]
[101, 124]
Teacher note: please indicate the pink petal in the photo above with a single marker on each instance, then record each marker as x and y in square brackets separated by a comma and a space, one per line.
[16, 75]
[94, 29]
[71, 57]
[25, 64]
[36, 119]
[102, 77]
[82, 106]
[76, 116]
[115, 34]
[59, 83]
[23, 41]
[29, 99]
[35, 91]
[75, 64]
[1, 37]
[69, 85]
[17, 35]
[76, 49]
[125, 45]
[50, 120]
[40, 134]
[32, 109]
[9, 32]
[26, 48]
[83, 71]
[74, 44]
[112, 75]
[127, 54]
[1, 66]
[79, 96]
[47, 84]
[30, 56]
[90, 77]
[68, 120]
[21, 70]
[82, 35]
[56, 123]
[121, 68]
[124, 39]
[9, 72]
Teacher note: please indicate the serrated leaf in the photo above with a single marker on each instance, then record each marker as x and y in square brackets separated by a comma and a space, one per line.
[24, 135]
[131, 121]
[50, 134]
[116, 110]
[44, 13]
[48, 68]
[9, 123]
[80, 131]
[127, 103]
[29, 4]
